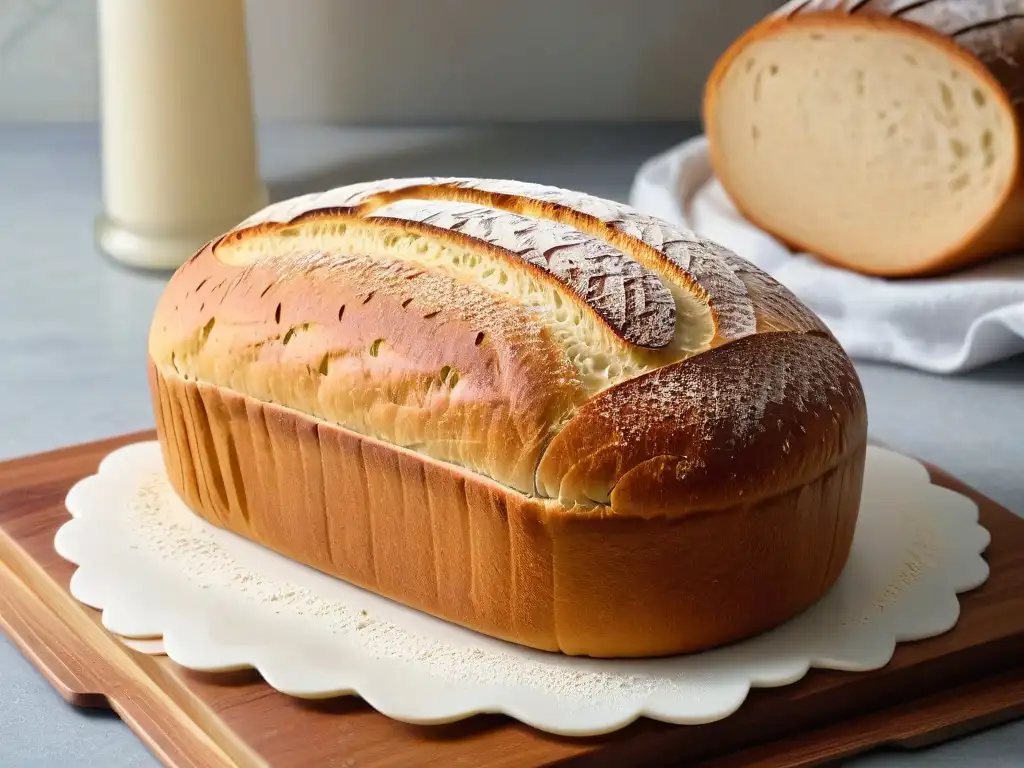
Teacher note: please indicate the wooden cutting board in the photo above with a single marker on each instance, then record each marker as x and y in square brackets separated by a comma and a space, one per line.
[932, 690]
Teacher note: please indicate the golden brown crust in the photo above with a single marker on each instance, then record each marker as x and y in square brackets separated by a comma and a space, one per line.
[977, 34]
[385, 348]
[357, 384]
[455, 545]
[283, 310]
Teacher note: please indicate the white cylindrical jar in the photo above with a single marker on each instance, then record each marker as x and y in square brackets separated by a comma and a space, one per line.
[178, 141]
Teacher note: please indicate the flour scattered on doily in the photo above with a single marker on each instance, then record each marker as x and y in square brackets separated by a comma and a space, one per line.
[167, 527]
[222, 602]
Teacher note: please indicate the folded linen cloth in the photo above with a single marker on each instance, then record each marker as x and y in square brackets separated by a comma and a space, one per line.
[945, 325]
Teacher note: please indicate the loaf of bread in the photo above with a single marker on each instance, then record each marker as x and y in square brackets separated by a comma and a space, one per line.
[883, 136]
[534, 413]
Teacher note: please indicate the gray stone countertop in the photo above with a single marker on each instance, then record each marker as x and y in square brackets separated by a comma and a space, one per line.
[73, 352]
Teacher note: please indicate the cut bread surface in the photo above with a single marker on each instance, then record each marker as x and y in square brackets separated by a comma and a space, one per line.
[869, 141]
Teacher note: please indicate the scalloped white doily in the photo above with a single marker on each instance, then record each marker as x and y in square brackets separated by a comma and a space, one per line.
[223, 603]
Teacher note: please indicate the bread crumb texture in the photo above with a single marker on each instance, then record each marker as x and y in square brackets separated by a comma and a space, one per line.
[882, 135]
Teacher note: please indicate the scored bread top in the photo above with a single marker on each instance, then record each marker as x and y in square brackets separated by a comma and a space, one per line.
[504, 327]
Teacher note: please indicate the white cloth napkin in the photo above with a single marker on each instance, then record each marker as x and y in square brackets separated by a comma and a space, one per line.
[942, 325]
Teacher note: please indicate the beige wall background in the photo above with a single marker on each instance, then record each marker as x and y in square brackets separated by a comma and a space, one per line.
[412, 61]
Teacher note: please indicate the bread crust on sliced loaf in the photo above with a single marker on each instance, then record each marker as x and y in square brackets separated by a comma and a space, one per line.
[916, 116]
[538, 414]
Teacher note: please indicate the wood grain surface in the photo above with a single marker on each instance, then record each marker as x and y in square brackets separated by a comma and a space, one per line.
[932, 690]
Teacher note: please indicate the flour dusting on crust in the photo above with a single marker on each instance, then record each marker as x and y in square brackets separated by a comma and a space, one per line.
[629, 297]
[732, 395]
[698, 258]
